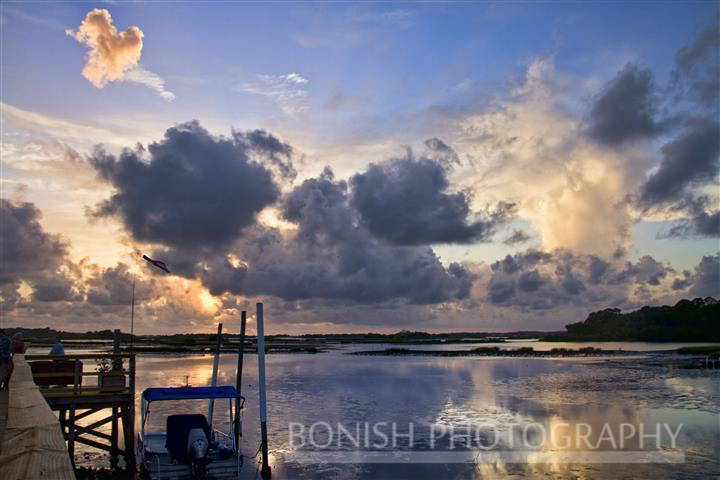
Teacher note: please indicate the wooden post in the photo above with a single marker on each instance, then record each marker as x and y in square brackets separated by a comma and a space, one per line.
[129, 425]
[265, 471]
[216, 363]
[71, 425]
[116, 361]
[238, 375]
[63, 421]
[114, 439]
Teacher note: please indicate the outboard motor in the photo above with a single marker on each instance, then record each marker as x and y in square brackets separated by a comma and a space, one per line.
[188, 441]
[197, 450]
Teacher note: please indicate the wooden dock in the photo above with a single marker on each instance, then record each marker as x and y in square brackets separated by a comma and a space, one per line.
[109, 395]
[32, 444]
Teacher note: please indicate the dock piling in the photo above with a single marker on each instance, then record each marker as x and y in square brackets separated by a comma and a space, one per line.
[265, 471]
[238, 374]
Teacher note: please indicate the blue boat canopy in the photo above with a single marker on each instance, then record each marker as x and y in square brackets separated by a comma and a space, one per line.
[189, 393]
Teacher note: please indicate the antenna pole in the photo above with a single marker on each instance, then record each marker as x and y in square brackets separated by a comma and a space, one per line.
[132, 314]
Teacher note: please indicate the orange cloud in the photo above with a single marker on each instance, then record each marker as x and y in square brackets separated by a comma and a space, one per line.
[111, 54]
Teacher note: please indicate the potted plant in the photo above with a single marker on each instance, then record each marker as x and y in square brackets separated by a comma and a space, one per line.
[109, 375]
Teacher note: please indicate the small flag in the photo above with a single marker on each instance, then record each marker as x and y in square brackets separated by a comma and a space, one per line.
[157, 263]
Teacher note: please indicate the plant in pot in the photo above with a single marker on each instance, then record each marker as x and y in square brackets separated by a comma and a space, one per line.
[109, 374]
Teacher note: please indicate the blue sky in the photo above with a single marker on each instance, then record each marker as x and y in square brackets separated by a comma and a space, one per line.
[350, 84]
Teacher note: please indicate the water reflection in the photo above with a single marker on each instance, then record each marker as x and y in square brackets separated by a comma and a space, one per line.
[337, 388]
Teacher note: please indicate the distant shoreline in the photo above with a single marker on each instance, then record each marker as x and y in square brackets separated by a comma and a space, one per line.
[497, 352]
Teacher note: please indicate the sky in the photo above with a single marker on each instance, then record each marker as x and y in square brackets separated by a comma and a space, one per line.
[357, 167]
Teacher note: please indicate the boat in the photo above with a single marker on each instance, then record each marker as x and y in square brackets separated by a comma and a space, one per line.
[190, 448]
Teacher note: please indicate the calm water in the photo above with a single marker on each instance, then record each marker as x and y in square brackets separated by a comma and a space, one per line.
[333, 387]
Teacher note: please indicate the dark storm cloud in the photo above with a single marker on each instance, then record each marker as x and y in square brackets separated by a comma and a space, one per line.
[703, 281]
[539, 280]
[698, 67]
[571, 282]
[500, 291]
[27, 250]
[700, 221]
[597, 269]
[516, 237]
[194, 190]
[330, 256]
[706, 278]
[692, 159]
[681, 283]
[405, 202]
[196, 196]
[28, 253]
[530, 281]
[113, 286]
[646, 270]
[689, 160]
[625, 109]
[278, 153]
[55, 288]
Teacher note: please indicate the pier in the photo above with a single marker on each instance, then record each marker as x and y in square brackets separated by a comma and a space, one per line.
[109, 395]
[37, 443]
[32, 445]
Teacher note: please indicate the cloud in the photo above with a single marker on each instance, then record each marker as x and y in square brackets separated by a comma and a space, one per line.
[29, 254]
[329, 256]
[114, 56]
[287, 91]
[646, 270]
[541, 280]
[55, 127]
[706, 277]
[276, 153]
[111, 53]
[51, 159]
[700, 222]
[697, 67]
[190, 190]
[151, 80]
[529, 150]
[27, 250]
[516, 237]
[442, 153]
[196, 197]
[625, 109]
[703, 281]
[406, 202]
[689, 160]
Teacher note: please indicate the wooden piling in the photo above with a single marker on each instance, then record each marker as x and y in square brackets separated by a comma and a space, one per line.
[265, 471]
[238, 374]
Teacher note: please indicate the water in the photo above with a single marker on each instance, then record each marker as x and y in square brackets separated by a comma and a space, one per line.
[336, 388]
